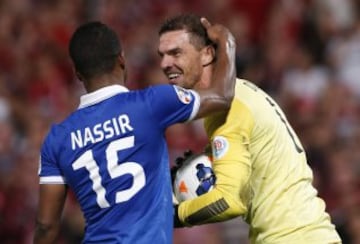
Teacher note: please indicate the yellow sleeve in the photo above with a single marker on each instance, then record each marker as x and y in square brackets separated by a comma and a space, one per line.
[232, 166]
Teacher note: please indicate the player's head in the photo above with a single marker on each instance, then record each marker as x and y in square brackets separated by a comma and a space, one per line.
[185, 50]
[95, 51]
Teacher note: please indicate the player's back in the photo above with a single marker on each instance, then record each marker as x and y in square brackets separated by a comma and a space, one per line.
[284, 207]
[113, 155]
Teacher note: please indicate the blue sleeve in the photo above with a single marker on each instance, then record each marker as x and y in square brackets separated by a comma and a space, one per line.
[49, 171]
[172, 104]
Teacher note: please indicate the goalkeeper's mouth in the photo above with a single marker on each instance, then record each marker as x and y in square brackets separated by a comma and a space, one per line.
[174, 78]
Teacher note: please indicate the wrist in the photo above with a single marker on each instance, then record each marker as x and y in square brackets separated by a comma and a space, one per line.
[177, 221]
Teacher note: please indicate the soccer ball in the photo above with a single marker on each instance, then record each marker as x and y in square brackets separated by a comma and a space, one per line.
[194, 178]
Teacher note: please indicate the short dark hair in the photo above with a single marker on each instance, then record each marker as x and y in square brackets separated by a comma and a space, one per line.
[192, 24]
[94, 48]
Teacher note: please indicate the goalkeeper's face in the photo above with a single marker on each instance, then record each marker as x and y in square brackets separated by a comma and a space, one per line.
[181, 61]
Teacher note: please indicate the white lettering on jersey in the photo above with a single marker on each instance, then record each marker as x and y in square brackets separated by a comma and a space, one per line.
[105, 130]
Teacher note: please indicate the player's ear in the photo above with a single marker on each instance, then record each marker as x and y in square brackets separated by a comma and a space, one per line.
[79, 76]
[121, 60]
[208, 55]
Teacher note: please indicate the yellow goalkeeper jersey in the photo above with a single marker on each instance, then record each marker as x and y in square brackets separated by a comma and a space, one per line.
[262, 175]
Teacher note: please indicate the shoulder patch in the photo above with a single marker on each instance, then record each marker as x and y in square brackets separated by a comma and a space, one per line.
[220, 146]
[183, 94]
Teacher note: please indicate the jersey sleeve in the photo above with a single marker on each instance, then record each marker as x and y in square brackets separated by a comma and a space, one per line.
[172, 104]
[49, 172]
[232, 166]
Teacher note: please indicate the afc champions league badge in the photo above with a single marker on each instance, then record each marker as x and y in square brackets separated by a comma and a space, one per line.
[220, 146]
[183, 95]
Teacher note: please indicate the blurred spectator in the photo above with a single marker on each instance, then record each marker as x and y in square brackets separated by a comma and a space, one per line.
[303, 83]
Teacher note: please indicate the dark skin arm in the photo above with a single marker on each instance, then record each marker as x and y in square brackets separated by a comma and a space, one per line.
[51, 204]
[220, 93]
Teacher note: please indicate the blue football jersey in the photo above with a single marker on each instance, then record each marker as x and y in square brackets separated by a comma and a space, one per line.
[112, 153]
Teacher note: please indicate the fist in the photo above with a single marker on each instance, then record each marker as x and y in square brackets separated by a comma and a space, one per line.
[218, 33]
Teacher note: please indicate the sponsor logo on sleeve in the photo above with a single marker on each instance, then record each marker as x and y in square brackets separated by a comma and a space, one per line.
[220, 146]
[183, 94]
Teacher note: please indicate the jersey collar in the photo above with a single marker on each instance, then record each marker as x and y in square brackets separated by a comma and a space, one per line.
[101, 95]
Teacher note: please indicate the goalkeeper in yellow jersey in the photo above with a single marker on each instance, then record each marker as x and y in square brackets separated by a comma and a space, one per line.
[260, 164]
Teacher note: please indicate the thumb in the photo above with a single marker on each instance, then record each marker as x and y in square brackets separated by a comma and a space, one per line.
[205, 22]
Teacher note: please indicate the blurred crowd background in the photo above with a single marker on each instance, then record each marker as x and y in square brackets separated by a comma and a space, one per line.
[305, 53]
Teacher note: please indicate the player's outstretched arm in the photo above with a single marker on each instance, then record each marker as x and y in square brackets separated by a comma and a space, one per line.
[221, 91]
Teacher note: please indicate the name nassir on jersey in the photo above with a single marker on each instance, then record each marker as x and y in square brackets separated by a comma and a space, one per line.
[105, 130]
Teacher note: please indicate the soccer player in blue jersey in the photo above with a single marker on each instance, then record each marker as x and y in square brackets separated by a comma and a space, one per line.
[112, 151]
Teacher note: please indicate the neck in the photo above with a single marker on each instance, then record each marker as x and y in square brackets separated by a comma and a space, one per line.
[204, 82]
[104, 81]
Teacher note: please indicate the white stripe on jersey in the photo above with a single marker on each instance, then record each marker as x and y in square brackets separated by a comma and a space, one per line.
[196, 105]
[52, 180]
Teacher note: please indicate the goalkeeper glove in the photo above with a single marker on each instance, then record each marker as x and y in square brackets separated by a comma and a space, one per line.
[177, 222]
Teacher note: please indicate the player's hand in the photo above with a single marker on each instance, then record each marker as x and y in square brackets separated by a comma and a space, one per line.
[224, 71]
[179, 161]
[218, 33]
